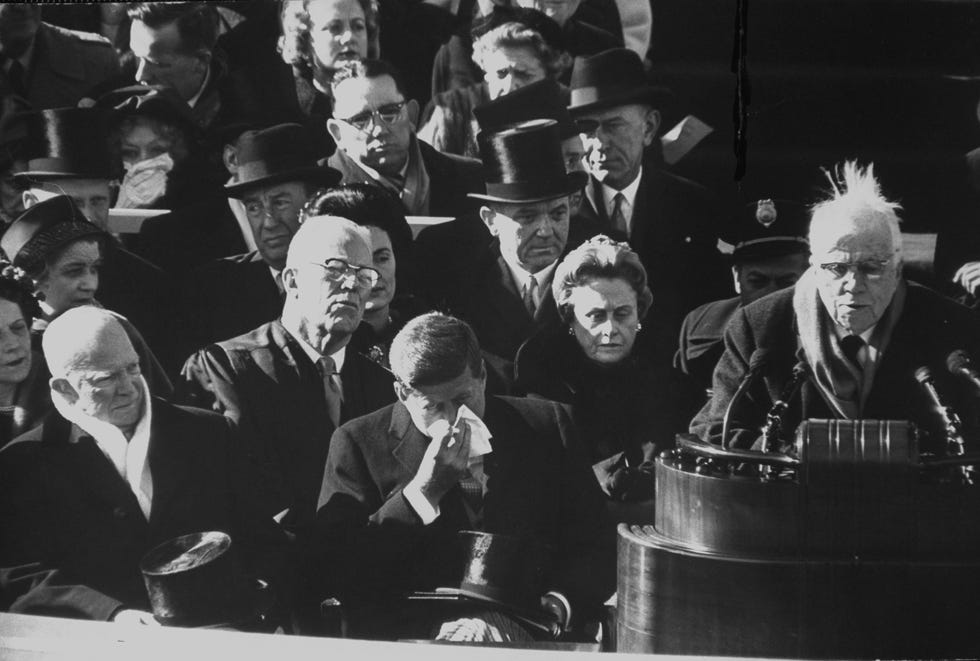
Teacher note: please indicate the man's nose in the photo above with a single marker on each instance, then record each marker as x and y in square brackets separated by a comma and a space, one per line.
[89, 281]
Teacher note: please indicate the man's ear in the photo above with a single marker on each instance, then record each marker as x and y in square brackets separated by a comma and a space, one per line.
[651, 124]
[335, 131]
[489, 218]
[61, 386]
[29, 198]
[738, 287]
[412, 108]
[289, 284]
[204, 57]
[401, 392]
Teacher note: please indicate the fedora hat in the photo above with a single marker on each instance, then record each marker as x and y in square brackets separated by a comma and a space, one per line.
[43, 228]
[612, 78]
[501, 571]
[64, 143]
[542, 99]
[524, 163]
[277, 154]
[195, 581]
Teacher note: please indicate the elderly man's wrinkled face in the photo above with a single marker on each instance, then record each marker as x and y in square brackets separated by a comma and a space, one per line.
[107, 384]
[533, 234]
[162, 60]
[374, 123]
[758, 277]
[338, 31]
[332, 291]
[616, 138]
[857, 274]
[273, 215]
[557, 10]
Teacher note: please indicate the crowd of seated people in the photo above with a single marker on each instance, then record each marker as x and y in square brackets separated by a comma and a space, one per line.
[293, 272]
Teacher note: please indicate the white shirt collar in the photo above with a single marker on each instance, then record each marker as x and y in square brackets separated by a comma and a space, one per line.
[197, 97]
[128, 457]
[522, 278]
[869, 352]
[630, 192]
[238, 211]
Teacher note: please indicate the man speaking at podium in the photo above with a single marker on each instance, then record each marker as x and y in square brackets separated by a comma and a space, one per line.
[860, 332]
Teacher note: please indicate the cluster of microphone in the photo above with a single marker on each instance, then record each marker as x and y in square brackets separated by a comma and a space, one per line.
[958, 363]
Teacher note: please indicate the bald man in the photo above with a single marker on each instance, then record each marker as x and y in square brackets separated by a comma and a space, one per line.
[290, 382]
[111, 473]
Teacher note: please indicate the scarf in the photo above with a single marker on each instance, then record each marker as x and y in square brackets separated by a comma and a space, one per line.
[842, 385]
[413, 191]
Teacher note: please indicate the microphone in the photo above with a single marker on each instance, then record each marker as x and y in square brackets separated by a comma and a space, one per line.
[774, 419]
[959, 364]
[955, 444]
[757, 362]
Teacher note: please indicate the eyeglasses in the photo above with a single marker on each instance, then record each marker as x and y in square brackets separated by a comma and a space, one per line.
[871, 269]
[387, 114]
[337, 270]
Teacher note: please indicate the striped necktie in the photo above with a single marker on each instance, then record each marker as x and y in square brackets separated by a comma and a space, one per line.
[331, 388]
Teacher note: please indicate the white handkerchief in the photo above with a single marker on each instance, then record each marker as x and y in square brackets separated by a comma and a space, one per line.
[479, 434]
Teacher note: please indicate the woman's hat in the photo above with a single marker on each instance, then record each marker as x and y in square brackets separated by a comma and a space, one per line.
[524, 163]
[502, 571]
[612, 78]
[64, 143]
[277, 154]
[542, 99]
[43, 228]
[154, 101]
[194, 581]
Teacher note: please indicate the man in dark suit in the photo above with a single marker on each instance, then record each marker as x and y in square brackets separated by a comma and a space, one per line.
[49, 66]
[861, 330]
[374, 128]
[400, 483]
[504, 289]
[277, 174]
[289, 383]
[111, 473]
[669, 221]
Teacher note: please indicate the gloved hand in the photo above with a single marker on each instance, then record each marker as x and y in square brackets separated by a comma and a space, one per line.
[145, 182]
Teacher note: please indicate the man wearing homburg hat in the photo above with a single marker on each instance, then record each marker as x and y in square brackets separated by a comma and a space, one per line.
[505, 291]
[668, 220]
[769, 252]
[112, 472]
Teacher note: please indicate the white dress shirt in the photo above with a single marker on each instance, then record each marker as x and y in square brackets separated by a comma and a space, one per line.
[522, 278]
[629, 201]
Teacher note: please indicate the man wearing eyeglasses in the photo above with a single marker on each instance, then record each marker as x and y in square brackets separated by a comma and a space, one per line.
[374, 128]
[290, 382]
[860, 328]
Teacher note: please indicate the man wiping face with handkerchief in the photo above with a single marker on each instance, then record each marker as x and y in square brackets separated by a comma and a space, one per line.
[402, 482]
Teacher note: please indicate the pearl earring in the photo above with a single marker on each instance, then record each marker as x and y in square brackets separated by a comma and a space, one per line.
[639, 327]
[570, 331]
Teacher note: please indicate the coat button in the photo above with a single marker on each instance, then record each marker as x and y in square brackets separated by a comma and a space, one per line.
[687, 239]
[120, 512]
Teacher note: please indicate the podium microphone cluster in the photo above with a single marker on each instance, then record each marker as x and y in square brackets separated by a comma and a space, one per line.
[757, 364]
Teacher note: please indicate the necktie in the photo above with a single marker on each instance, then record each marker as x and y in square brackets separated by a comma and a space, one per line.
[331, 388]
[15, 75]
[617, 218]
[851, 346]
[529, 290]
[473, 496]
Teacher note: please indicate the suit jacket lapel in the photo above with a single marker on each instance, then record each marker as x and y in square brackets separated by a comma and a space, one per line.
[642, 229]
[170, 465]
[408, 443]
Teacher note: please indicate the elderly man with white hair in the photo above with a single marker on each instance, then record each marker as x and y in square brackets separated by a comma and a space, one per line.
[292, 381]
[111, 473]
[859, 327]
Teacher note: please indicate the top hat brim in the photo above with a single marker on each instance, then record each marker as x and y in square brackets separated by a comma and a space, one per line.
[538, 618]
[516, 193]
[26, 178]
[588, 99]
[319, 174]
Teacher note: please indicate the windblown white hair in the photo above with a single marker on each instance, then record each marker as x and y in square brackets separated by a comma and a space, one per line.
[855, 199]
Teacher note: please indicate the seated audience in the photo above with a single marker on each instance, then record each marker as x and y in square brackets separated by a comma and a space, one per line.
[112, 472]
[56, 245]
[512, 55]
[402, 481]
[290, 382]
[620, 403]
[23, 393]
[374, 127]
[392, 302]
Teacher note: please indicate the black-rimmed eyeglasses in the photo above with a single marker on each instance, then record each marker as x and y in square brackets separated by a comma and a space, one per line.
[387, 114]
[338, 270]
[872, 269]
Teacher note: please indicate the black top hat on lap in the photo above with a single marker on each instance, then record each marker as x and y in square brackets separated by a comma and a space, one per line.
[612, 78]
[524, 163]
[195, 581]
[65, 143]
[277, 154]
[769, 228]
[44, 228]
[542, 99]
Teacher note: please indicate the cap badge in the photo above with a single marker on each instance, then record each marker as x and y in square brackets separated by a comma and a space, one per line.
[765, 212]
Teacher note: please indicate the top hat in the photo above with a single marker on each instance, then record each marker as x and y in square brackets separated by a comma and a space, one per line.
[533, 19]
[524, 163]
[612, 78]
[43, 228]
[65, 143]
[500, 571]
[154, 101]
[543, 99]
[277, 154]
[194, 581]
[769, 228]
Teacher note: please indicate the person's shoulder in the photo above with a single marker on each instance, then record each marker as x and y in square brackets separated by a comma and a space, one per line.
[363, 429]
[925, 304]
[536, 412]
[674, 182]
[188, 414]
[261, 337]
[87, 40]
[712, 313]
[431, 156]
